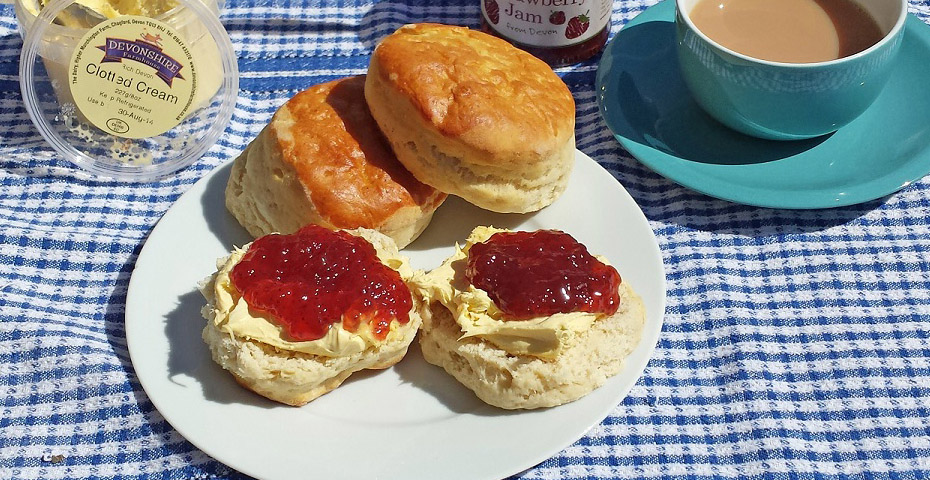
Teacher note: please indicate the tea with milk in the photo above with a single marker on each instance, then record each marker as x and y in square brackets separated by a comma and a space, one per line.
[790, 31]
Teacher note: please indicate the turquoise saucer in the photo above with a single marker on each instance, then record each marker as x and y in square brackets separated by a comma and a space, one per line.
[646, 105]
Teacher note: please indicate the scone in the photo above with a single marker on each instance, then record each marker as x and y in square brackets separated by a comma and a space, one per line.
[527, 319]
[292, 316]
[474, 116]
[323, 160]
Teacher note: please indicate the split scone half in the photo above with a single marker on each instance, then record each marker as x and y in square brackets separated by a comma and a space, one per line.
[292, 316]
[527, 319]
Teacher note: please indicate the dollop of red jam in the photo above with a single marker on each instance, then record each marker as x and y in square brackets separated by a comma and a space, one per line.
[311, 279]
[534, 274]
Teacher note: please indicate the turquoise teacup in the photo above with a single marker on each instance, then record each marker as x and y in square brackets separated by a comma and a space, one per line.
[787, 101]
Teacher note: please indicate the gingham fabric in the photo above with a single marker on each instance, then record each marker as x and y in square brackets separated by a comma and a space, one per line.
[796, 344]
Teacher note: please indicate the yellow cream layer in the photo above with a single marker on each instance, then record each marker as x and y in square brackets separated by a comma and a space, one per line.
[107, 9]
[232, 314]
[478, 316]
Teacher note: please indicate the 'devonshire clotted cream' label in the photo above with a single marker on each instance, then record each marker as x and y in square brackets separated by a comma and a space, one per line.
[133, 77]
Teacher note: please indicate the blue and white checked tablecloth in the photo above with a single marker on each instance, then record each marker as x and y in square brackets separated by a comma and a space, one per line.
[796, 343]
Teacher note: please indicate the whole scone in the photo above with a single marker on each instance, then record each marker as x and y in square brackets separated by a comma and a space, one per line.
[323, 160]
[295, 357]
[543, 361]
[473, 116]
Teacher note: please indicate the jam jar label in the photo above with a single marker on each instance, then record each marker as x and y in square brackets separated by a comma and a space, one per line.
[133, 77]
[547, 23]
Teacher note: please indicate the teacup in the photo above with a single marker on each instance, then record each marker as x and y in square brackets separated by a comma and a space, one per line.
[787, 101]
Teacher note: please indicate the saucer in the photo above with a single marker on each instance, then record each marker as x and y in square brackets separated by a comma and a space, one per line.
[647, 106]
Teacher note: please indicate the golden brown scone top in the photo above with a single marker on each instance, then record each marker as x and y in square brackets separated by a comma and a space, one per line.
[477, 87]
[341, 157]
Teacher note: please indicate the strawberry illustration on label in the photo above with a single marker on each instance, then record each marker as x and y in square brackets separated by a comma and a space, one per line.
[557, 18]
[577, 26]
[493, 11]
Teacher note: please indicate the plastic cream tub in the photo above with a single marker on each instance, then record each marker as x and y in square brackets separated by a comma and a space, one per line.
[132, 96]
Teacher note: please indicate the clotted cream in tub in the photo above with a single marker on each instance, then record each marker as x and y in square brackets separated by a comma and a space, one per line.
[132, 90]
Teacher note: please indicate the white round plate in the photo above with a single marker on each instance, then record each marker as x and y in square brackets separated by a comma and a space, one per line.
[411, 421]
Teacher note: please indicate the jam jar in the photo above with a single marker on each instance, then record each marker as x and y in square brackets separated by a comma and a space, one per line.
[560, 32]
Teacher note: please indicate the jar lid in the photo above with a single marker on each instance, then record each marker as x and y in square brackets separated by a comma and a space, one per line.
[132, 97]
